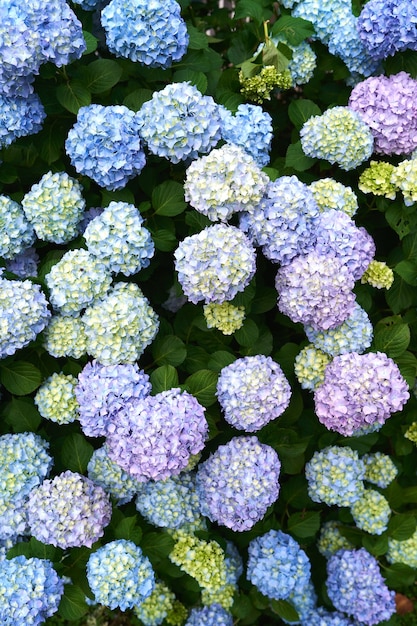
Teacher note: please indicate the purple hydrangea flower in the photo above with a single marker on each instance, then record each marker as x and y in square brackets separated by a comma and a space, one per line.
[151, 32]
[21, 116]
[105, 145]
[252, 391]
[68, 511]
[316, 290]
[250, 128]
[387, 104]
[359, 390]
[154, 437]
[277, 565]
[24, 264]
[212, 615]
[238, 482]
[356, 587]
[114, 480]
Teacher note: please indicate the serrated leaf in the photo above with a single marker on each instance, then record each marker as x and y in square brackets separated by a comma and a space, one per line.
[401, 219]
[198, 79]
[72, 96]
[201, 60]
[22, 415]
[393, 340]
[168, 199]
[76, 452]
[247, 334]
[219, 360]
[52, 144]
[157, 546]
[102, 75]
[198, 40]
[203, 386]
[377, 546]
[408, 271]
[293, 29]
[128, 529]
[409, 246]
[164, 240]
[34, 548]
[249, 8]
[164, 378]
[73, 605]
[285, 610]
[304, 523]
[136, 98]
[296, 159]
[400, 296]
[169, 350]
[399, 574]
[401, 527]
[197, 359]
[91, 43]
[20, 377]
[299, 111]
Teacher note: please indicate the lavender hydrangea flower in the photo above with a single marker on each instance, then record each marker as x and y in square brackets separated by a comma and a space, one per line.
[339, 136]
[335, 476]
[215, 264]
[316, 290]
[387, 104]
[120, 575]
[21, 116]
[119, 326]
[104, 389]
[105, 145]
[213, 615]
[238, 482]
[65, 336]
[322, 617]
[30, 591]
[118, 238]
[190, 121]
[24, 264]
[54, 206]
[16, 233]
[356, 587]
[151, 32]
[380, 469]
[396, 32]
[252, 391]
[224, 182]
[330, 194]
[114, 480]
[153, 438]
[371, 512]
[277, 565]
[359, 390]
[24, 314]
[68, 511]
[56, 399]
[283, 222]
[250, 128]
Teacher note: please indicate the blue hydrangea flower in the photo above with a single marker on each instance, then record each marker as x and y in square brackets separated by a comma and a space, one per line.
[118, 238]
[16, 233]
[76, 281]
[30, 591]
[238, 482]
[65, 336]
[304, 600]
[114, 480]
[252, 391]
[154, 437]
[356, 587]
[277, 565]
[24, 264]
[54, 207]
[335, 476]
[283, 222]
[330, 194]
[213, 615]
[215, 264]
[346, 43]
[353, 335]
[224, 182]
[323, 14]
[371, 512]
[90, 5]
[303, 62]
[21, 116]
[322, 617]
[388, 26]
[104, 144]
[119, 326]
[56, 399]
[309, 367]
[250, 128]
[24, 314]
[120, 575]
[379, 469]
[103, 390]
[151, 32]
[179, 123]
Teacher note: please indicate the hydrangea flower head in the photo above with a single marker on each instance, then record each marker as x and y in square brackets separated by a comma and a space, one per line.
[335, 476]
[212, 615]
[359, 390]
[330, 194]
[331, 539]
[203, 560]
[24, 264]
[68, 511]
[215, 264]
[120, 575]
[378, 275]
[323, 14]
[114, 480]
[302, 64]
[250, 128]
[225, 181]
[238, 482]
[152, 33]
[304, 600]
[120, 325]
[394, 33]
[371, 512]
[226, 317]
[376, 179]
[277, 565]
[65, 336]
[260, 87]
[404, 177]
[379, 469]
[309, 367]
[54, 206]
[403, 551]
[356, 587]
[345, 42]
[387, 104]
[316, 290]
[104, 389]
[16, 233]
[21, 116]
[339, 136]
[105, 145]
[56, 399]
[153, 438]
[322, 617]
[190, 122]
[119, 240]
[155, 608]
[252, 391]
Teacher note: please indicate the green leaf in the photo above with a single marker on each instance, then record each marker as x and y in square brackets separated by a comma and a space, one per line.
[102, 75]
[168, 198]
[72, 96]
[299, 111]
[249, 8]
[119, 195]
[203, 386]
[136, 98]
[401, 219]
[164, 240]
[407, 364]
[393, 340]
[219, 360]
[91, 43]
[35, 548]
[164, 378]
[377, 546]
[201, 60]
[20, 377]
[73, 605]
[296, 159]
[293, 29]
[400, 296]
[22, 415]
[53, 137]
[285, 610]
[169, 350]
[157, 546]
[401, 527]
[196, 360]
[247, 334]
[409, 246]
[198, 40]
[399, 574]
[76, 452]
[128, 529]
[408, 271]
[198, 79]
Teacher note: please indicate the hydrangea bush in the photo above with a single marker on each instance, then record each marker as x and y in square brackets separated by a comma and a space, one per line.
[208, 312]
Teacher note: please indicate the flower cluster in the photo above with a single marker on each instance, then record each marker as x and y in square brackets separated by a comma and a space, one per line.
[224, 182]
[226, 317]
[120, 575]
[190, 122]
[250, 128]
[260, 87]
[404, 177]
[114, 480]
[378, 274]
[212, 615]
[394, 33]
[309, 367]
[16, 233]
[356, 587]
[238, 482]
[24, 264]
[331, 539]
[322, 617]
[323, 14]
[359, 390]
[153, 438]
[302, 64]
[155, 608]
[225, 594]
[379, 469]
[105, 145]
[151, 32]
[277, 565]
[203, 560]
[371, 512]
[330, 194]
[56, 399]
[69, 510]
[215, 264]
[403, 551]
[252, 391]
[65, 336]
[376, 179]
[54, 206]
[21, 116]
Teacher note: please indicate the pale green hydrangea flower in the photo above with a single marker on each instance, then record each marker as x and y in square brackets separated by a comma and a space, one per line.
[379, 469]
[226, 317]
[65, 336]
[378, 275]
[371, 512]
[202, 560]
[56, 399]
[403, 551]
[404, 177]
[376, 179]
[331, 539]
[155, 608]
[330, 194]
[309, 367]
